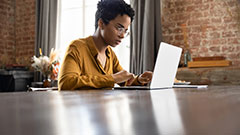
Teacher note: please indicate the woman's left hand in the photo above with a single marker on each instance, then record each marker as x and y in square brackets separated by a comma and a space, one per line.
[146, 77]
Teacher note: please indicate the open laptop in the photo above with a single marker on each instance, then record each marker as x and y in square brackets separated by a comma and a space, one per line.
[165, 68]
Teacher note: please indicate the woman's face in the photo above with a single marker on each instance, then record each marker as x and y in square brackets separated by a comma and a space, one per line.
[115, 30]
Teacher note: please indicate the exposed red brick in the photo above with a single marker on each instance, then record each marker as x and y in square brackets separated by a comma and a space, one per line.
[190, 8]
[205, 43]
[181, 9]
[193, 22]
[167, 38]
[168, 25]
[180, 17]
[196, 29]
[207, 1]
[196, 2]
[195, 42]
[215, 35]
[177, 30]
[167, 31]
[197, 14]
[203, 50]
[228, 19]
[238, 47]
[25, 32]
[179, 37]
[194, 36]
[231, 3]
[17, 35]
[213, 27]
[204, 36]
[228, 34]
[172, 11]
[235, 62]
[216, 13]
[7, 33]
[215, 49]
[204, 7]
[169, 4]
[219, 41]
[228, 49]
[216, 20]
[233, 56]
[234, 41]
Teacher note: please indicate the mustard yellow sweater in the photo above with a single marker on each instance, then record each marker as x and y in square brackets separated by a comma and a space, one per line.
[82, 70]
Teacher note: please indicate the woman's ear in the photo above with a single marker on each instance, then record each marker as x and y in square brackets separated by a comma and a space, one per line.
[100, 24]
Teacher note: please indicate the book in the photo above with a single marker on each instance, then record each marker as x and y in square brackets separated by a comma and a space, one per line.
[208, 58]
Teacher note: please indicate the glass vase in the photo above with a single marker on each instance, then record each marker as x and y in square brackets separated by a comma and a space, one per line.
[187, 58]
[46, 81]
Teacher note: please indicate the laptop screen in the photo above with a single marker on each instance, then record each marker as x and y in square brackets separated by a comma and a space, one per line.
[166, 66]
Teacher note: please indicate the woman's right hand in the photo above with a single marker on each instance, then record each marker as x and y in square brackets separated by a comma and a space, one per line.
[123, 76]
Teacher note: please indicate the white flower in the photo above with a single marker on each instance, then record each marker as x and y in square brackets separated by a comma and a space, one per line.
[45, 64]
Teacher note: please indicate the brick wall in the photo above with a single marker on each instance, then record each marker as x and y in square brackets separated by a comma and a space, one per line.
[25, 31]
[17, 31]
[212, 28]
[7, 32]
[209, 27]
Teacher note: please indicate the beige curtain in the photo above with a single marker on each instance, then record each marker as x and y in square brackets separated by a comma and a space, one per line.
[145, 35]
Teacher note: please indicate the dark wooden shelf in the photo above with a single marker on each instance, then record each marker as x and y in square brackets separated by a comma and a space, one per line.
[210, 75]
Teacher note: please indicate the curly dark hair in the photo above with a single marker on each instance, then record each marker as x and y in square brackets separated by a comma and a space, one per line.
[108, 10]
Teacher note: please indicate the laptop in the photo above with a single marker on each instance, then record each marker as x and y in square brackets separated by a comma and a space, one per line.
[165, 68]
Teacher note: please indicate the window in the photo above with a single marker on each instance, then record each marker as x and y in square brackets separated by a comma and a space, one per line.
[77, 20]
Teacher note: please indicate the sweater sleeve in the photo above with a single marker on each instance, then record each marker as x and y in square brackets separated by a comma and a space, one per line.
[117, 67]
[71, 76]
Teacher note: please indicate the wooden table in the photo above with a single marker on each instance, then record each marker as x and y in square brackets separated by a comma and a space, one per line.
[211, 111]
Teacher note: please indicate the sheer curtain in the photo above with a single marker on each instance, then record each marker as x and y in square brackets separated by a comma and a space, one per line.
[145, 35]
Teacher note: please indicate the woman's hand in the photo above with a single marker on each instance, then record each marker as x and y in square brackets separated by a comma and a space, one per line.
[178, 81]
[146, 77]
[123, 76]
